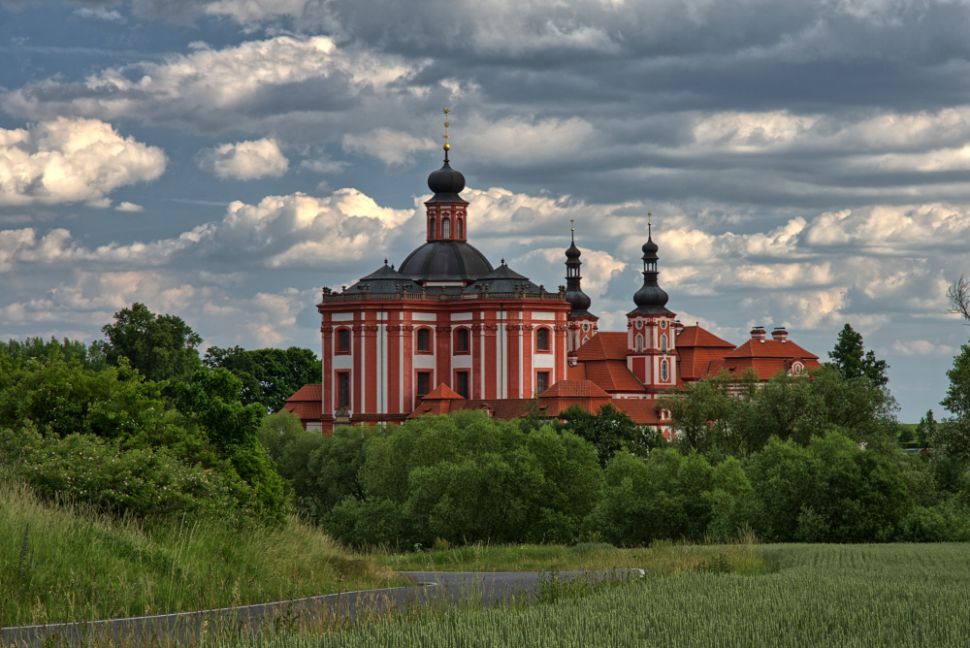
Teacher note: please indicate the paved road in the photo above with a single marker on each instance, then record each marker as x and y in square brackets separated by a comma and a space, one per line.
[491, 588]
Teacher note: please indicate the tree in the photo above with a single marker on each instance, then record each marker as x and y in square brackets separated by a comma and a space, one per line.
[269, 376]
[959, 294]
[161, 347]
[853, 361]
[609, 431]
[926, 429]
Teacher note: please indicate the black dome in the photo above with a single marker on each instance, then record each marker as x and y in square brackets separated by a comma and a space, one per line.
[651, 299]
[572, 252]
[650, 249]
[445, 261]
[446, 180]
[580, 302]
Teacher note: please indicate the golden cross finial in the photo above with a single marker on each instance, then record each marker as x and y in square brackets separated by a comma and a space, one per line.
[649, 224]
[447, 146]
[572, 230]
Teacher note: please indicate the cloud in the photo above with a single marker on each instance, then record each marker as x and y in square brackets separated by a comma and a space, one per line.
[129, 207]
[393, 148]
[71, 160]
[246, 160]
[251, 83]
[922, 348]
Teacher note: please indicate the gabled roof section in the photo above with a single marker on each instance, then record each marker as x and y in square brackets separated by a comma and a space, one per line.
[385, 281]
[696, 336]
[503, 279]
[574, 389]
[613, 376]
[443, 392]
[604, 346]
[643, 411]
[770, 349]
[306, 403]
[307, 393]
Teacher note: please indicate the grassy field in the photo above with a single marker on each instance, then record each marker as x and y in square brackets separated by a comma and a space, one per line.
[810, 595]
[60, 564]
[660, 558]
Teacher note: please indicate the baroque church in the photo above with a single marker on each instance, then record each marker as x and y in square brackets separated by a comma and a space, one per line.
[448, 330]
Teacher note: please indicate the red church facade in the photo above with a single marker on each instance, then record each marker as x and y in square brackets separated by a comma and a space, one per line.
[447, 330]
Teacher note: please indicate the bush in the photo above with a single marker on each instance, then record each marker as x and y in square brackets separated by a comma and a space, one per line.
[462, 478]
[146, 483]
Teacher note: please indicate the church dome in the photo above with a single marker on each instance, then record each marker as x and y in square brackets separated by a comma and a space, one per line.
[445, 261]
[446, 180]
[650, 299]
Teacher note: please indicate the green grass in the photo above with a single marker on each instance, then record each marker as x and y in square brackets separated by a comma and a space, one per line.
[660, 558]
[64, 564]
[812, 595]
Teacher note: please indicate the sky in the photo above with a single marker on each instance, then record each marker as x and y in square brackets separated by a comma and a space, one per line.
[806, 162]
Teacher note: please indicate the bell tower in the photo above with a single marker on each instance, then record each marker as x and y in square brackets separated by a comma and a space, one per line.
[446, 212]
[650, 326]
[581, 324]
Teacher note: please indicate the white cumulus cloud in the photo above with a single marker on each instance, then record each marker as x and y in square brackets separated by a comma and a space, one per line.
[246, 160]
[67, 160]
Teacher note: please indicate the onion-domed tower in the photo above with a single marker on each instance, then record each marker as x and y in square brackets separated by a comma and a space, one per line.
[581, 324]
[446, 259]
[650, 332]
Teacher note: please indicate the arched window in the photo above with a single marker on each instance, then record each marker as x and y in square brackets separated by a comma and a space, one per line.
[462, 341]
[542, 339]
[461, 228]
[663, 343]
[424, 340]
[639, 344]
[431, 232]
[343, 340]
[446, 228]
[664, 371]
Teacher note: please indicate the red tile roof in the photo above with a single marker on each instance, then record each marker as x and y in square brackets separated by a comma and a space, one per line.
[306, 403]
[443, 392]
[574, 389]
[613, 376]
[695, 336]
[604, 346]
[695, 362]
[308, 393]
[771, 349]
[643, 411]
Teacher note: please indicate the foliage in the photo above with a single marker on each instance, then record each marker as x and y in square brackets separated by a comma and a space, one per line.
[462, 478]
[161, 347]
[147, 483]
[853, 361]
[926, 429]
[61, 563]
[269, 376]
[610, 431]
[725, 416]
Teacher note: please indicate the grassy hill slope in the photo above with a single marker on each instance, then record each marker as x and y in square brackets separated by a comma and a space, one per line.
[60, 563]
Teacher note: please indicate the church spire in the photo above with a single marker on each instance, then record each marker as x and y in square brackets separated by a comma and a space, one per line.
[651, 298]
[579, 300]
[446, 209]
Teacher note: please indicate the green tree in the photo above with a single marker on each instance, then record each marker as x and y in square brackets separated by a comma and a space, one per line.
[926, 429]
[853, 361]
[269, 376]
[161, 347]
[701, 414]
[610, 431]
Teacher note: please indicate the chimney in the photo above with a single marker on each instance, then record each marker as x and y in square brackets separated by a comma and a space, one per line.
[779, 334]
[759, 333]
[678, 327]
